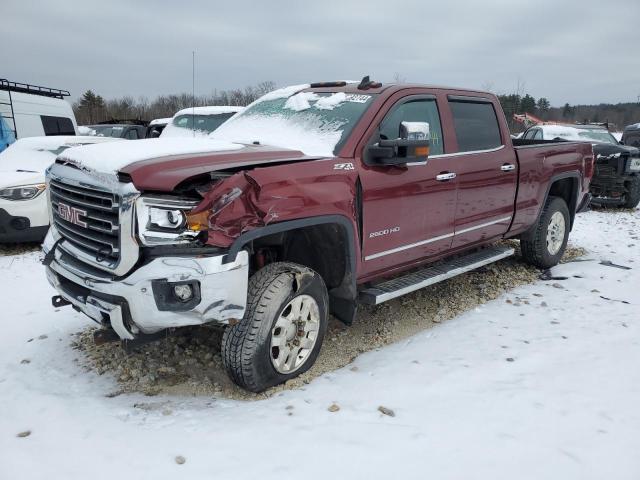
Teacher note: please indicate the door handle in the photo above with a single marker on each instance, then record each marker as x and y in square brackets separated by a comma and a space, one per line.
[507, 167]
[445, 177]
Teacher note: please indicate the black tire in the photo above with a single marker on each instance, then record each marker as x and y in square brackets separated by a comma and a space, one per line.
[534, 243]
[632, 198]
[246, 346]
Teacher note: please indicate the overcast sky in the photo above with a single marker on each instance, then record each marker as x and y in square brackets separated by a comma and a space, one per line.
[575, 51]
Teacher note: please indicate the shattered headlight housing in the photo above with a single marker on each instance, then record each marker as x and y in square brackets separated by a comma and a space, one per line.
[163, 220]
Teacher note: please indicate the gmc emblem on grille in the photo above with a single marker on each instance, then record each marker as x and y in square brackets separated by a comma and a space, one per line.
[71, 214]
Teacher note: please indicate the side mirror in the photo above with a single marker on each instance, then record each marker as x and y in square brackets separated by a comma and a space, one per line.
[411, 146]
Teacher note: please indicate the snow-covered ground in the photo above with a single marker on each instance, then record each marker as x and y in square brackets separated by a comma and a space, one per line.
[543, 382]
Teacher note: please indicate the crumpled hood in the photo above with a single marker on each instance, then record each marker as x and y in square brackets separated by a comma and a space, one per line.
[161, 164]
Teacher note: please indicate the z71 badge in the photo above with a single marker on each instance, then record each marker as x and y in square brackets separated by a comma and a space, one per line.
[344, 166]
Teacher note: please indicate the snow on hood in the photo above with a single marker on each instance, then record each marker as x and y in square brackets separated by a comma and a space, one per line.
[18, 179]
[35, 154]
[111, 157]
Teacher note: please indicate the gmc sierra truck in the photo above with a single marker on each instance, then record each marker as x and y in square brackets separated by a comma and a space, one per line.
[315, 199]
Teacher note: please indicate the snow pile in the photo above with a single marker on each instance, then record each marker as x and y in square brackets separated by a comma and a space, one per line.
[302, 101]
[111, 157]
[311, 135]
[330, 102]
[82, 130]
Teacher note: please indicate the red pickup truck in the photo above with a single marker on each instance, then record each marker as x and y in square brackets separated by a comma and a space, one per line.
[314, 199]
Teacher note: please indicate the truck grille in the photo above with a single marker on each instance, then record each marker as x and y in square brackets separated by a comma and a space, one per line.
[87, 218]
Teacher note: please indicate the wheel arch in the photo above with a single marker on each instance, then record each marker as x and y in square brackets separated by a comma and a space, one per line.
[327, 244]
[566, 186]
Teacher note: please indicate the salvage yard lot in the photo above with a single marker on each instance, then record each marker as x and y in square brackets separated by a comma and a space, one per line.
[542, 382]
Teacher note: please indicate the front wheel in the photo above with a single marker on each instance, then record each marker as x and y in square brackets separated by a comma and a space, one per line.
[282, 330]
[545, 244]
[632, 198]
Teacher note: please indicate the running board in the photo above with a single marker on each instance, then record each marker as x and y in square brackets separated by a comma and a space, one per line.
[423, 278]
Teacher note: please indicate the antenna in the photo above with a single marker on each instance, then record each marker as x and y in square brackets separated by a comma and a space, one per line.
[193, 92]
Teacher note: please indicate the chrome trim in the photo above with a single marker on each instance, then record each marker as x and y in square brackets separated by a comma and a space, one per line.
[443, 177]
[472, 152]
[150, 237]
[507, 168]
[223, 290]
[406, 247]
[435, 239]
[487, 224]
[108, 184]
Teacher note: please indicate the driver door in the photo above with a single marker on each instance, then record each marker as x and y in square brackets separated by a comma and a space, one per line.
[408, 210]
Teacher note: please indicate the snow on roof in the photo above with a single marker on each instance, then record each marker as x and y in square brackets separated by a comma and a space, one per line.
[562, 131]
[284, 92]
[160, 121]
[212, 110]
[84, 130]
[110, 158]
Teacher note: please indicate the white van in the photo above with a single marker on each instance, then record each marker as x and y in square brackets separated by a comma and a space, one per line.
[198, 121]
[33, 111]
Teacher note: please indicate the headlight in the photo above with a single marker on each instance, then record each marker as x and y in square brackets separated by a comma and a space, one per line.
[163, 221]
[25, 192]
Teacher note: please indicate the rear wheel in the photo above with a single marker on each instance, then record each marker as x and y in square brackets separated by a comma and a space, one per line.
[545, 244]
[632, 199]
[282, 330]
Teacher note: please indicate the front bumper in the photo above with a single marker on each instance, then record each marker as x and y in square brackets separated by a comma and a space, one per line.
[18, 228]
[137, 303]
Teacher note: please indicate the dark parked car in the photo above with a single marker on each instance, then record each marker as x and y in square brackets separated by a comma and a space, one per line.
[130, 130]
[631, 135]
[616, 180]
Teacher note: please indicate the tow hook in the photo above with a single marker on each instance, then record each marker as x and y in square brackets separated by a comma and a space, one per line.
[59, 301]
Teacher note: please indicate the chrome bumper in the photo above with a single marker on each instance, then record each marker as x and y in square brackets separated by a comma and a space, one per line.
[130, 304]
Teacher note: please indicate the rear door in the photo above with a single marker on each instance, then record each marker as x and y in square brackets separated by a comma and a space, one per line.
[408, 210]
[486, 169]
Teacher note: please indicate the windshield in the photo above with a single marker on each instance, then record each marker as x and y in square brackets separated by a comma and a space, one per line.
[203, 123]
[108, 131]
[315, 123]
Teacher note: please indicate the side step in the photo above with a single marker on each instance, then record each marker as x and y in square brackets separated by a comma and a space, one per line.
[414, 281]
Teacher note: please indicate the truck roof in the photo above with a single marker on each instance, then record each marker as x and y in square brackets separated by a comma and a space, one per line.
[355, 87]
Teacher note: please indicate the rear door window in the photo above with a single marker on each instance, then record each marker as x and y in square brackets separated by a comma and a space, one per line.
[57, 125]
[476, 125]
[419, 110]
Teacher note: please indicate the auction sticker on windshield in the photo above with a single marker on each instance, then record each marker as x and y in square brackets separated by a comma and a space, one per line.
[358, 98]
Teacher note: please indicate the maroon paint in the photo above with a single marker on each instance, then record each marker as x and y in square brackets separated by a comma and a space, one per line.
[279, 185]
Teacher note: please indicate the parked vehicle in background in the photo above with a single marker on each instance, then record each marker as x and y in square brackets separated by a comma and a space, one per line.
[24, 216]
[32, 111]
[314, 199]
[631, 135]
[156, 127]
[128, 130]
[616, 180]
[198, 121]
